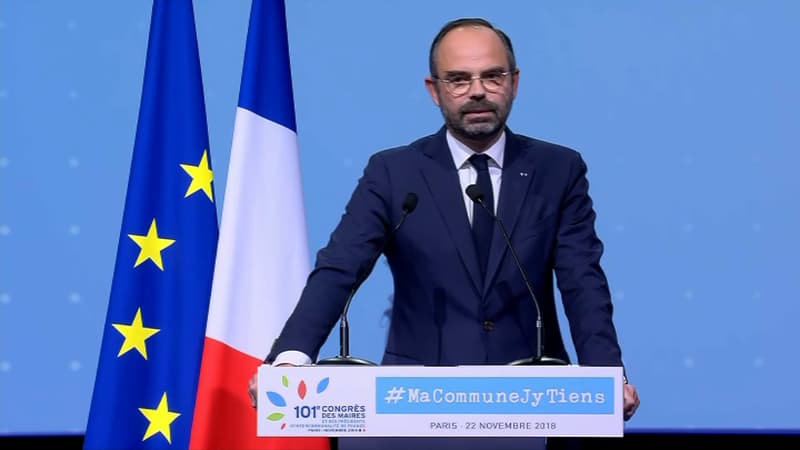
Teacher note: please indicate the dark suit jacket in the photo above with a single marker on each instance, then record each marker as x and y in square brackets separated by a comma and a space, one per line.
[443, 312]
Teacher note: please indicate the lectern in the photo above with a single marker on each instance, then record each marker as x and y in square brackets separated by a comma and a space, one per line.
[348, 401]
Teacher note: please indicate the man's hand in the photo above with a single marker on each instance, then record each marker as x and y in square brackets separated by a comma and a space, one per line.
[252, 385]
[252, 389]
[630, 400]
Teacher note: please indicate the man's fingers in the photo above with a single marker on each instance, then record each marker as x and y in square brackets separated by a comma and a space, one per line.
[631, 401]
[252, 390]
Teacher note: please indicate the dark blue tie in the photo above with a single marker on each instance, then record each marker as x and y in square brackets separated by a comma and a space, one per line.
[482, 222]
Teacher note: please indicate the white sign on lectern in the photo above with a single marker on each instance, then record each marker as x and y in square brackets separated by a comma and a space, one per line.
[440, 401]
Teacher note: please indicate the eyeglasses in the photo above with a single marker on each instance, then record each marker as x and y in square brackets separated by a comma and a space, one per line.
[459, 84]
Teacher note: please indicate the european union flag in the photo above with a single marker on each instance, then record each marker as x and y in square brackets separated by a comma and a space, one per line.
[144, 393]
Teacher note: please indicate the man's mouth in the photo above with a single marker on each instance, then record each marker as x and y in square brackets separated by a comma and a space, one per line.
[478, 113]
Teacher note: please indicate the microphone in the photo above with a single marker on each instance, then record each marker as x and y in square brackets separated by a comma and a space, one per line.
[344, 358]
[476, 195]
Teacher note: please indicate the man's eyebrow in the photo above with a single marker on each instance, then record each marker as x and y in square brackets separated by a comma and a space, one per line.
[456, 72]
[495, 69]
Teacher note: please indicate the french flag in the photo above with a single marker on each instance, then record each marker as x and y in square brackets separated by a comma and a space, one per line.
[262, 257]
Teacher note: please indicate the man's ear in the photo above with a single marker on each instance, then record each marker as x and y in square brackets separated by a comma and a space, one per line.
[514, 82]
[430, 84]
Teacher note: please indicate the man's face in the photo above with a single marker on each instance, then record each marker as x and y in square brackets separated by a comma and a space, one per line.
[478, 115]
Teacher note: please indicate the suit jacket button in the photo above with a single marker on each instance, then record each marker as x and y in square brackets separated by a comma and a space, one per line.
[488, 325]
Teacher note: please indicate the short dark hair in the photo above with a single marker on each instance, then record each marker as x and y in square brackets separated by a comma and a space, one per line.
[470, 22]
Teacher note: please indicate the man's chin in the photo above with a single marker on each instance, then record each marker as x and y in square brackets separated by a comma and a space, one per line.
[481, 130]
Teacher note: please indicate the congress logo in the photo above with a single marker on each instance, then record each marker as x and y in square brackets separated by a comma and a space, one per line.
[278, 400]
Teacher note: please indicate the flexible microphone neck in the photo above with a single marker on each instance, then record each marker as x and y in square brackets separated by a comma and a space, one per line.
[409, 205]
[476, 195]
[365, 273]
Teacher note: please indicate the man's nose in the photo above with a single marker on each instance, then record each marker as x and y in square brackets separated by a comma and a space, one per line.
[476, 89]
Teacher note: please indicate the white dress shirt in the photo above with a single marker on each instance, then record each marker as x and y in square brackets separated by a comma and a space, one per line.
[467, 175]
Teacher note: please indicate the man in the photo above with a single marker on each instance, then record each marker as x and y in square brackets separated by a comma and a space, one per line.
[458, 295]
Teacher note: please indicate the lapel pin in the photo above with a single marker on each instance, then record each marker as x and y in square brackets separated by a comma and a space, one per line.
[523, 174]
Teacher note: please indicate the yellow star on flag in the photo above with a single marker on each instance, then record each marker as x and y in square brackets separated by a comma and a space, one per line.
[135, 335]
[202, 176]
[151, 246]
[160, 419]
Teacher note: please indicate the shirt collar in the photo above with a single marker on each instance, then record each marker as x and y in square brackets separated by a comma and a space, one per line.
[461, 152]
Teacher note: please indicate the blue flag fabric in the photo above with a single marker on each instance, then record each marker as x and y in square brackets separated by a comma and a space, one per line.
[144, 393]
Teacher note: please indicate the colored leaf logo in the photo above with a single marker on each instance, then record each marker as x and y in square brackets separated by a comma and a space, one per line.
[276, 398]
[323, 384]
[275, 416]
[302, 391]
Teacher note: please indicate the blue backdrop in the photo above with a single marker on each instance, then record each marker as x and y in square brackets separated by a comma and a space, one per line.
[687, 113]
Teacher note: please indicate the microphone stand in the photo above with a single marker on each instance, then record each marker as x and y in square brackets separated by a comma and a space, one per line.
[344, 358]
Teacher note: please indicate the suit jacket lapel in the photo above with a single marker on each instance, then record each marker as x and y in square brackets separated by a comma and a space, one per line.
[518, 171]
[442, 179]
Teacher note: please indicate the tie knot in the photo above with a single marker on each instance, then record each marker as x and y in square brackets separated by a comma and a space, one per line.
[480, 162]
